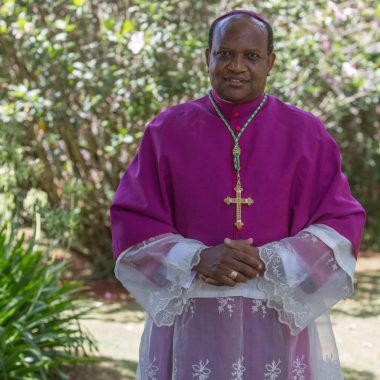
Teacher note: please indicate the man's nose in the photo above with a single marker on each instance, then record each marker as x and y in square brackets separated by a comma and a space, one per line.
[237, 63]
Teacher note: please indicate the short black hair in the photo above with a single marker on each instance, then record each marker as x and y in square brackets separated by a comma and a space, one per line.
[267, 26]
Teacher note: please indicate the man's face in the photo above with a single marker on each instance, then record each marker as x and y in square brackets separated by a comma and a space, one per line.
[239, 61]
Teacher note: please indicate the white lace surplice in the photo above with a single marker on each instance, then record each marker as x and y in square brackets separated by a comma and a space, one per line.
[276, 327]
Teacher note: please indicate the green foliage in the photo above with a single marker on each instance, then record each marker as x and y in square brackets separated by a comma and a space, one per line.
[328, 63]
[39, 314]
[80, 79]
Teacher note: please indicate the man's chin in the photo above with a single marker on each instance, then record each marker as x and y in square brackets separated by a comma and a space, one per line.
[237, 97]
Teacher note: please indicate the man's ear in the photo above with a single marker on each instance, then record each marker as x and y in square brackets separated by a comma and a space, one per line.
[271, 59]
[207, 55]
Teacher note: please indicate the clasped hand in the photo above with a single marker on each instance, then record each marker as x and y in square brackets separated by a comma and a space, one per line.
[216, 263]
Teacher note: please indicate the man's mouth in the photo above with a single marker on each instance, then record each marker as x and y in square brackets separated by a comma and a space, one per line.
[235, 80]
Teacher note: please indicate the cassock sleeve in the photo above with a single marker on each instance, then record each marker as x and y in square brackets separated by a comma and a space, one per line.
[153, 262]
[310, 271]
[158, 272]
[142, 208]
[307, 274]
[322, 194]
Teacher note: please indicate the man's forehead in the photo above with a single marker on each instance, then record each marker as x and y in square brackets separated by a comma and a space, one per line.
[245, 22]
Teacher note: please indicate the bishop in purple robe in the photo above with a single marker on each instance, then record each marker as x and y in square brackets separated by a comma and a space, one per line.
[234, 226]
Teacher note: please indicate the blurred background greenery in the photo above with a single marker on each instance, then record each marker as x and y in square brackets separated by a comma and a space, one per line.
[80, 79]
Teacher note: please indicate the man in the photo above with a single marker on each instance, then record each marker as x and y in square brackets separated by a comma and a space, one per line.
[234, 227]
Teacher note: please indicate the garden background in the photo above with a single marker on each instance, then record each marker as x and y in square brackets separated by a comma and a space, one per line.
[79, 80]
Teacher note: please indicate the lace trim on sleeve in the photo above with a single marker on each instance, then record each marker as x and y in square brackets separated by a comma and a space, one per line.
[302, 279]
[172, 302]
[158, 272]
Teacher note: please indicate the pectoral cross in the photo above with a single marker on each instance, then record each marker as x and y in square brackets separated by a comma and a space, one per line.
[239, 201]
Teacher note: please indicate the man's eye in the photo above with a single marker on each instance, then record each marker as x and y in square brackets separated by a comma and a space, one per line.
[224, 53]
[253, 55]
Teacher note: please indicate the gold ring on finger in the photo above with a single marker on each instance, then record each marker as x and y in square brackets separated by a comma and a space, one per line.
[233, 275]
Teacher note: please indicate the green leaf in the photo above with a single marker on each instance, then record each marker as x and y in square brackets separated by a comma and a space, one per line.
[127, 26]
[39, 312]
[78, 3]
[3, 26]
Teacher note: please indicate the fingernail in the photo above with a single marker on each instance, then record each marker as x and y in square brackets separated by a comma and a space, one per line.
[227, 240]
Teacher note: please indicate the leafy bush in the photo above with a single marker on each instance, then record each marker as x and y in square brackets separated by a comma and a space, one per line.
[39, 314]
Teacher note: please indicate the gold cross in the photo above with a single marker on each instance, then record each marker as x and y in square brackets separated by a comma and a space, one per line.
[238, 200]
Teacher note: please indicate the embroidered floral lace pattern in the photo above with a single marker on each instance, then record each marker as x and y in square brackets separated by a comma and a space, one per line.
[333, 264]
[301, 294]
[299, 367]
[272, 370]
[160, 284]
[174, 300]
[238, 369]
[151, 370]
[226, 304]
[258, 305]
[279, 291]
[190, 307]
[201, 372]
[328, 369]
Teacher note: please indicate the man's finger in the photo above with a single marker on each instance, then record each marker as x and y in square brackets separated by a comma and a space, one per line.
[211, 281]
[245, 271]
[231, 243]
[225, 280]
[252, 259]
[247, 254]
[241, 245]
